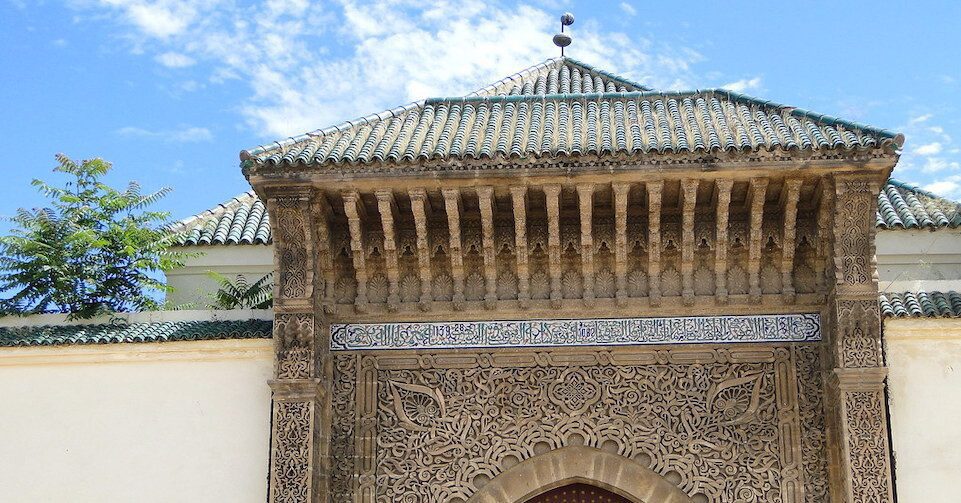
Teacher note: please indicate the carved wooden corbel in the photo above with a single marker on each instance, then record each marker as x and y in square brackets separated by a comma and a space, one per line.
[452, 204]
[552, 194]
[518, 198]
[621, 192]
[354, 208]
[585, 198]
[387, 207]
[689, 194]
[654, 190]
[793, 192]
[485, 198]
[419, 206]
[325, 265]
[758, 195]
[721, 242]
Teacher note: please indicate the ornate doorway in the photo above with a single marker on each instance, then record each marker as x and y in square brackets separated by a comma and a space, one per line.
[578, 493]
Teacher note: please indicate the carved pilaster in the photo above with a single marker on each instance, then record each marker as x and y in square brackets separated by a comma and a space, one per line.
[354, 208]
[758, 194]
[388, 212]
[452, 204]
[418, 204]
[654, 241]
[792, 190]
[689, 193]
[720, 248]
[518, 198]
[621, 192]
[299, 459]
[857, 390]
[485, 198]
[585, 198]
[292, 457]
[552, 194]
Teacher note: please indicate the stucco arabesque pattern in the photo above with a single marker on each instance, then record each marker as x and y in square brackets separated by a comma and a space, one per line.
[698, 417]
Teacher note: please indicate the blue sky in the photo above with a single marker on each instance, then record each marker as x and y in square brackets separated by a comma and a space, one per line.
[171, 91]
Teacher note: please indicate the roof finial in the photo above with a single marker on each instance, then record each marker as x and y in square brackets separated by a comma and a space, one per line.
[562, 39]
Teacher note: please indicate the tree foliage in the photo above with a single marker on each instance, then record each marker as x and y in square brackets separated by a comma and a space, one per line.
[93, 250]
[239, 294]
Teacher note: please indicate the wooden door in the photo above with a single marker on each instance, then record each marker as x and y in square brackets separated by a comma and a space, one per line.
[578, 493]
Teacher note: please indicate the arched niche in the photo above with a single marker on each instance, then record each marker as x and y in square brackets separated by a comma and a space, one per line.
[579, 464]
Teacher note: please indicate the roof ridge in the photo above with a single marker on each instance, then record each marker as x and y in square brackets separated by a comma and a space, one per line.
[547, 63]
[605, 73]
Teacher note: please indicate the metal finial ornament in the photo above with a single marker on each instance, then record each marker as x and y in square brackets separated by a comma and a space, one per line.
[562, 39]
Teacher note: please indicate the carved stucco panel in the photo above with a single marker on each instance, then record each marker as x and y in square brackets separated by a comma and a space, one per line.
[292, 249]
[290, 479]
[867, 445]
[727, 424]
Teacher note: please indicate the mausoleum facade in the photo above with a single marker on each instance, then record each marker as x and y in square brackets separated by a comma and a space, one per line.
[569, 278]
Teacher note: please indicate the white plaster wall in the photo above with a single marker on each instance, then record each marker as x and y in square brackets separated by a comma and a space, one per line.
[924, 383]
[193, 285]
[183, 421]
[913, 260]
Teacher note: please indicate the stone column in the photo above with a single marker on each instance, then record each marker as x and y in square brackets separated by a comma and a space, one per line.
[856, 388]
[299, 458]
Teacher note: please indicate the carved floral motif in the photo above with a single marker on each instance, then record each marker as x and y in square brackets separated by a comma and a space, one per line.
[444, 429]
[867, 446]
[291, 470]
[292, 248]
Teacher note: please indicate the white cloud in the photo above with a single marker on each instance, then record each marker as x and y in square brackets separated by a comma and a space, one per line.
[934, 162]
[628, 9]
[743, 85]
[174, 60]
[159, 19]
[187, 134]
[949, 187]
[939, 164]
[928, 149]
[312, 65]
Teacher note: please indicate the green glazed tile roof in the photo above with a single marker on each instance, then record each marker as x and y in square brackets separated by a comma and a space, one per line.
[565, 108]
[243, 219]
[59, 335]
[904, 206]
[560, 76]
[921, 305]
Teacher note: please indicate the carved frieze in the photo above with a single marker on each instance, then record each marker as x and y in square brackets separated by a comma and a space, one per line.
[588, 332]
